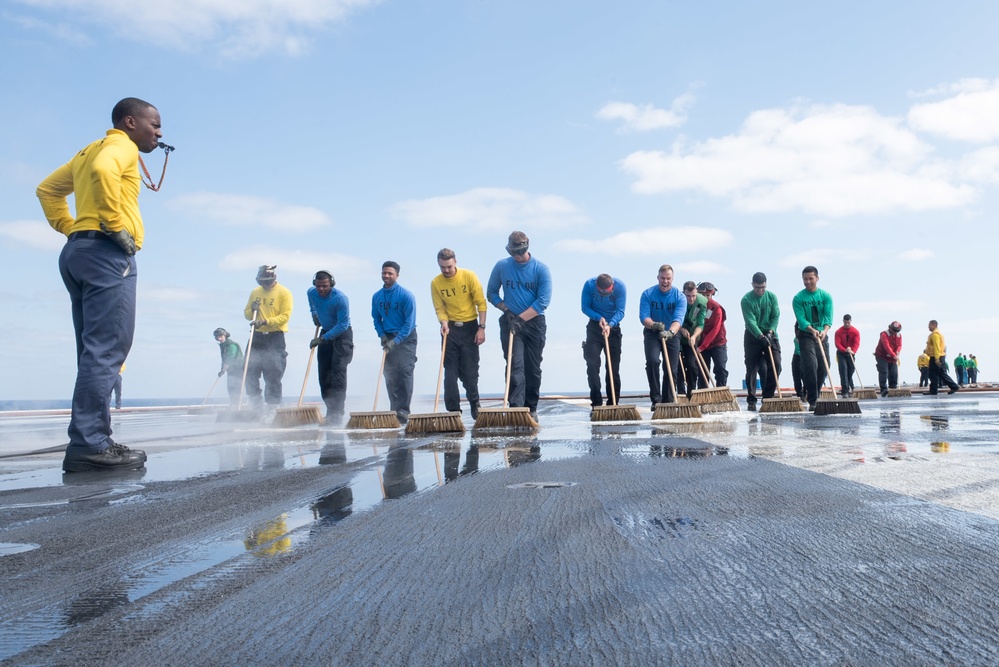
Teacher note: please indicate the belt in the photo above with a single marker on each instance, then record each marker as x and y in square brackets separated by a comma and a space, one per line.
[461, 324]
[90, 234]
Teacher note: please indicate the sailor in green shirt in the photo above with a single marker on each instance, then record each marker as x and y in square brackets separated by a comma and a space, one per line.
[761, 314]
[690, 331]
[813, 317]
[232, 363]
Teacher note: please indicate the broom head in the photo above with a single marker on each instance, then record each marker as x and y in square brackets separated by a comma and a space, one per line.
[865, 394]
[676, 411]
[721, 406]
[791, 404]
[827, 393]
[518, 418]
[615, 413]
[715, 395]
[837, 406]
[900, 392]
[435, 422]
[368, 420]
[297, 416]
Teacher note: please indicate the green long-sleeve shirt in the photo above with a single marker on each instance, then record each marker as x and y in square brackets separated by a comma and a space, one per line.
[813, 309]
[761, 313]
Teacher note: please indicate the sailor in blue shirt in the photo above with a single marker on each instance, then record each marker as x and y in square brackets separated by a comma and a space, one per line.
[331, 312]
[526, 287]
[603, 302]
[393, 309]
[661, 311]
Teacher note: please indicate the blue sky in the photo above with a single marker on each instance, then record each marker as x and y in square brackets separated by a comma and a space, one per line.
[723, 139]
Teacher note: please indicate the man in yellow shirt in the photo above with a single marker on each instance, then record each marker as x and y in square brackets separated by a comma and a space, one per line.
[99, 270]
[936, 350]
[923, 364]
[460, 305]
[268, 309]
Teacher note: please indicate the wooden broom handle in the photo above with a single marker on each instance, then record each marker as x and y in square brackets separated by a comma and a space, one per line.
[825, 362]
[509, 368]
[308, 368]
[246, 360]
[669, 370]
[378, 383]
[859, 381]
[440, 374]
[610, 370]
[773, 367]
[703, 366]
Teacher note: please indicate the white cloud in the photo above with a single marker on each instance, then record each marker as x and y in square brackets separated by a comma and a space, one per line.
[247, 211]
[981, 166]
[34, 233]
[647, 117]
[971, 115]
[822, 256]
[233, 28]
[490, 209]
[292, 261]
[653, 241]
[824, 160]
[65, 33]
[916, 255]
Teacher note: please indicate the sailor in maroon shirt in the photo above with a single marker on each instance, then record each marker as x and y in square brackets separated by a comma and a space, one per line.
[847, 343]
[713, 345]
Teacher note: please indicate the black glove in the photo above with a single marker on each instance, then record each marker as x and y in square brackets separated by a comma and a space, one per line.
[765, 340]
[315, 319]
[665, 334]
[122, 238]
[255, 305]
[514, 322]
[658, 327]
[389, 344]
[316, 341]
[259, 322]
[221, 372]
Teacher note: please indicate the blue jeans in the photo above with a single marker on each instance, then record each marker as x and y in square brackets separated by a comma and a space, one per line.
[101, 281]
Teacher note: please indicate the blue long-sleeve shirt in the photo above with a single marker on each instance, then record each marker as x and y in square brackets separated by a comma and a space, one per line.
[333, 311]
[608, 306]
[527, 285]
[666, 307]
[394, 312]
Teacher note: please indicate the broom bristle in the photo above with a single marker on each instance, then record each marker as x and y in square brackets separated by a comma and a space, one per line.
[369, 420]
[827, 394]
[781, 405]
[865, 394]
[839, 406]
[297, 416]
[721, 406]
[614, 413]
[899, 392]
[435, 422]
[676, 411]
[505, 418]
[716, 395]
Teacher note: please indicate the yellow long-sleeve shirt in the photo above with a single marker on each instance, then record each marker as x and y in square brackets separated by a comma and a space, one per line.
[923, 361]
[458, 299]
[275, 307]
[104, 177]
[935, 345]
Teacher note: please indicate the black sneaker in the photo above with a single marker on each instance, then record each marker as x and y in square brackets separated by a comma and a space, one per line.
[811, 407]
[751, 407]
[953, 390]
[474, 409]
[115, 457]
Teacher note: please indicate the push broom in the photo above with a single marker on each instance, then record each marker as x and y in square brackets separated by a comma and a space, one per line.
[238, 415]
[715, 399]
[375, 419]
[444, 422]
[899, 392]
[614, 412]
[299, 415]
[862, 393]
[506, 417]
[674, 410]
[779, 404]
[833, 406]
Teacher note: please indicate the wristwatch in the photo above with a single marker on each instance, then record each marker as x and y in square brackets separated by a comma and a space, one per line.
[482, 325]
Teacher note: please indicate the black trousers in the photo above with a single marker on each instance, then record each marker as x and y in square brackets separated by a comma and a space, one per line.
[332, 359]
[525, 366]
[887, 374]
[757, 358]
[461, 362]
[813, 367]
[592, 347]
[846, 370]
[939, 376]
[269, 359]
[660, 391]
[717, 358]
[799, 387]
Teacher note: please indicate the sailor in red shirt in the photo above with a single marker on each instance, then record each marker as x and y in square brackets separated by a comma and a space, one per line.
[886, 357]
[713, 345]
[847, 344]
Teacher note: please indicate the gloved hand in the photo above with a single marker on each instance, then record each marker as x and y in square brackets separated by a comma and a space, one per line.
[389, 344]
[122, 238]
[255, 305]
[259, 322]
[221, 372]
[658, 327]
[514, 322]
[765, 340]
[666, 334]
[315, 320]
[316, 341]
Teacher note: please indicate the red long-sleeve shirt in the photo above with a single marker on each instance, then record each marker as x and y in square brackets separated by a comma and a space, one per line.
[713, 334]
[888, 346]
[848, 338]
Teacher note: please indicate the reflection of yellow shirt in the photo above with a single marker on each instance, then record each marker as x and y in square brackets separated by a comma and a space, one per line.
[269, 539]
[104, 179]
[458, 299]
[275, 307]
